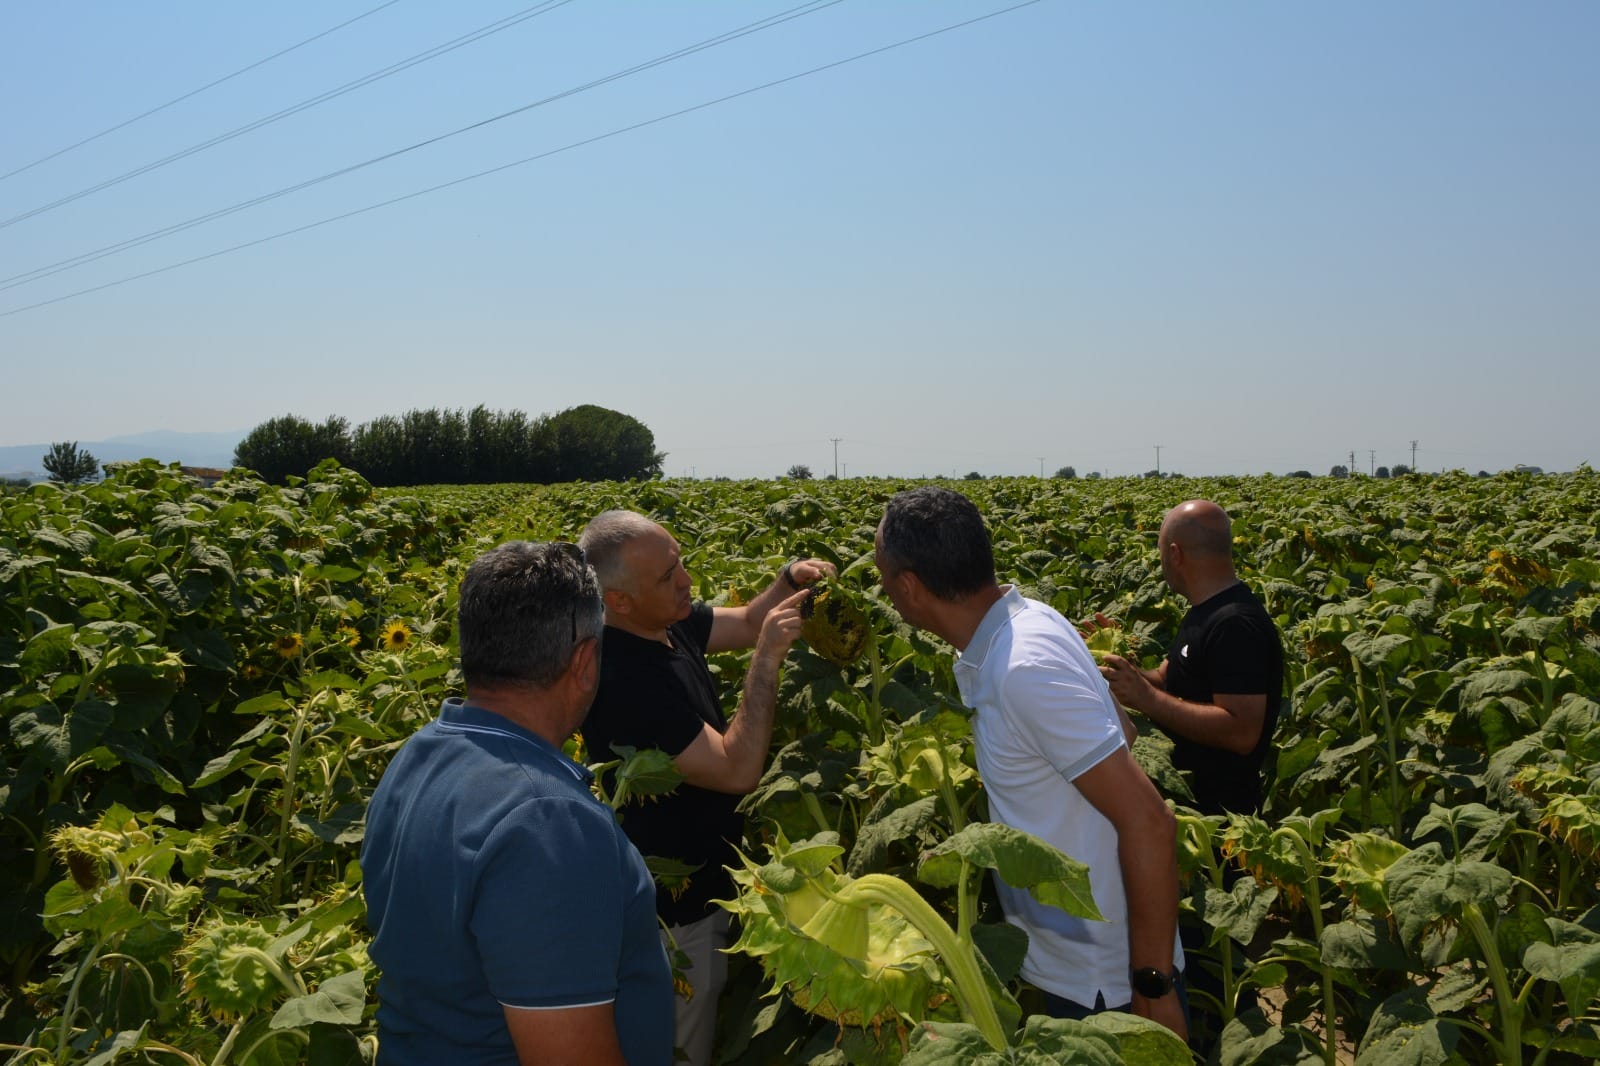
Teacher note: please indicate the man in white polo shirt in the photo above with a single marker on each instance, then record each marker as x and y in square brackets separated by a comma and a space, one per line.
[1052, 749]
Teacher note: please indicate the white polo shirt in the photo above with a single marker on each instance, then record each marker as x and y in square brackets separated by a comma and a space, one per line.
[1043, 716]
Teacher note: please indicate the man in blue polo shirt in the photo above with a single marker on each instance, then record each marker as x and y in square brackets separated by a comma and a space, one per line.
[512, 920]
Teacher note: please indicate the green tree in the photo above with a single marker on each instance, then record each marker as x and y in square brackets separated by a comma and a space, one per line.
[597, 444]
[799, 472]
[1067, 473]
[436, 446]
[290, 446]
[378, 451]
[65, 463]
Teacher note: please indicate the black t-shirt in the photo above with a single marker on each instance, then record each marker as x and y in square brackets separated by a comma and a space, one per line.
[655, 696]
[1227, 644]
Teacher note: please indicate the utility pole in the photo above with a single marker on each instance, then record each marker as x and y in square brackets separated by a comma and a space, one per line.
[847, 470]
[1158, 460]
[836, 441]
[1352, 462]
[1041, 467]
[1413, 457]
[1372, 462]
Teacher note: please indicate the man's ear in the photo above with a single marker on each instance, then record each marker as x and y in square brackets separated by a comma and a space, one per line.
[584, 666]
[617, 602]
[914, 592]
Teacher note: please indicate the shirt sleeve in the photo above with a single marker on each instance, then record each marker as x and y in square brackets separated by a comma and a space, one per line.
[698, 625]
[1239, 655]
[547, 910]
[1062, 714]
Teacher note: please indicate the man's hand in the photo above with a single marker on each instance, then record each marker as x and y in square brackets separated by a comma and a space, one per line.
[1166, 1010]
[1130, 685]
[780, 629]
[741, 627]
[804, 572]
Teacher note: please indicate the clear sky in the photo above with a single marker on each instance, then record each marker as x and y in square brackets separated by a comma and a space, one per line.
[1261, 236]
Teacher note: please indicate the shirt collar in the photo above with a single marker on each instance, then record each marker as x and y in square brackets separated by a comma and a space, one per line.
[459, 716]
[996, 618]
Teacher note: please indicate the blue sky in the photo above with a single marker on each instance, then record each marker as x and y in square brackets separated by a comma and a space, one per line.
[1261, 236]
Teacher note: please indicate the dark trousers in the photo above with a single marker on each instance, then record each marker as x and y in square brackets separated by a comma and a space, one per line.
[1061, 1007]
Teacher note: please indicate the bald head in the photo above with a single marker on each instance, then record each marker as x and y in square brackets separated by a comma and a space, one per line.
[1201, 529]
[604, 542]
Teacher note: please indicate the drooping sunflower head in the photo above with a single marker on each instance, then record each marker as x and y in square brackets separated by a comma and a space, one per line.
[86, 852]
[226, 967]
[288, 645]
[350, 634]
[395, 637]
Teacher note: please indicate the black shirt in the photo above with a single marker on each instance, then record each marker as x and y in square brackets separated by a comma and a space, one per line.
[655, 696]
[1226, 644]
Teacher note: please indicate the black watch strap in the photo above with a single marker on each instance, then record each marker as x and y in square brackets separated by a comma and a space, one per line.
[1150, 982]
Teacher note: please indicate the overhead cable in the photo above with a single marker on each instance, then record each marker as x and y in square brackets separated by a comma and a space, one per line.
[321, 98]
[196, 92]
[84, 258]
[528, 159]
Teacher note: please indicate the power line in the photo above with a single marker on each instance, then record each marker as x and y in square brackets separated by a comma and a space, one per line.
[529, 159]
[322, 98]
[196, 92]
[39, 273]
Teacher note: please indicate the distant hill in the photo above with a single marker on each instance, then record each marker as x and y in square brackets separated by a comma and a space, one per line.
[166, 446]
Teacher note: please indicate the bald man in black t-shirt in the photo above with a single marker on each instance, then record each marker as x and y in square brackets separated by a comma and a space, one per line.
[1216, 695]
[1218, 692]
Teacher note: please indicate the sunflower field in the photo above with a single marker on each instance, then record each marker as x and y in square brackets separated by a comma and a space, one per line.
[201, 687]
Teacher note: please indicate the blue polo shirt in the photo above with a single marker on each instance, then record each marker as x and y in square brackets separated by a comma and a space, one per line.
[494, 878]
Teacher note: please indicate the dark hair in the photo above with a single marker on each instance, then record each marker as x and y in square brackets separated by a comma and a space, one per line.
[938, 535]
[523, 609]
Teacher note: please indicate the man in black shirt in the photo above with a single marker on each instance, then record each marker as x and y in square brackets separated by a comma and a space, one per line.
[1216, 695]
[657, 692]
[1218, 691]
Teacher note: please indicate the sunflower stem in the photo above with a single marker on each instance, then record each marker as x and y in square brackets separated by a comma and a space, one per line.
[966, 977]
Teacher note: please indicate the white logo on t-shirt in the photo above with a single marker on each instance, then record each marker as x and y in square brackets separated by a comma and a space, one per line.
[1185, 651]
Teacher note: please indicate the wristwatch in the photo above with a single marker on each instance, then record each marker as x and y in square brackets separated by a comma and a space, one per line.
[1150, 982]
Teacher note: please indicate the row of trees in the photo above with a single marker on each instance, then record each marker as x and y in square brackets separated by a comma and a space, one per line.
[456, 447]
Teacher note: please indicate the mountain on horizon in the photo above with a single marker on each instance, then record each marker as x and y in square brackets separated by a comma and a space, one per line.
[162, 445]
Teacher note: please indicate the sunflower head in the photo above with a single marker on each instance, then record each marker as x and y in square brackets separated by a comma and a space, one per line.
[350, 634]
[289, 645]
[395, 637]
[87, 853]
[226, 966]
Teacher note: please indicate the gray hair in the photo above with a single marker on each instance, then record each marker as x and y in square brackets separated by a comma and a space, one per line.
[938, 535]
[604, 539]
[524, 607]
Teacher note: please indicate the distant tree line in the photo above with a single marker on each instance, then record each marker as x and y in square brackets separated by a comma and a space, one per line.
[457, 447]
